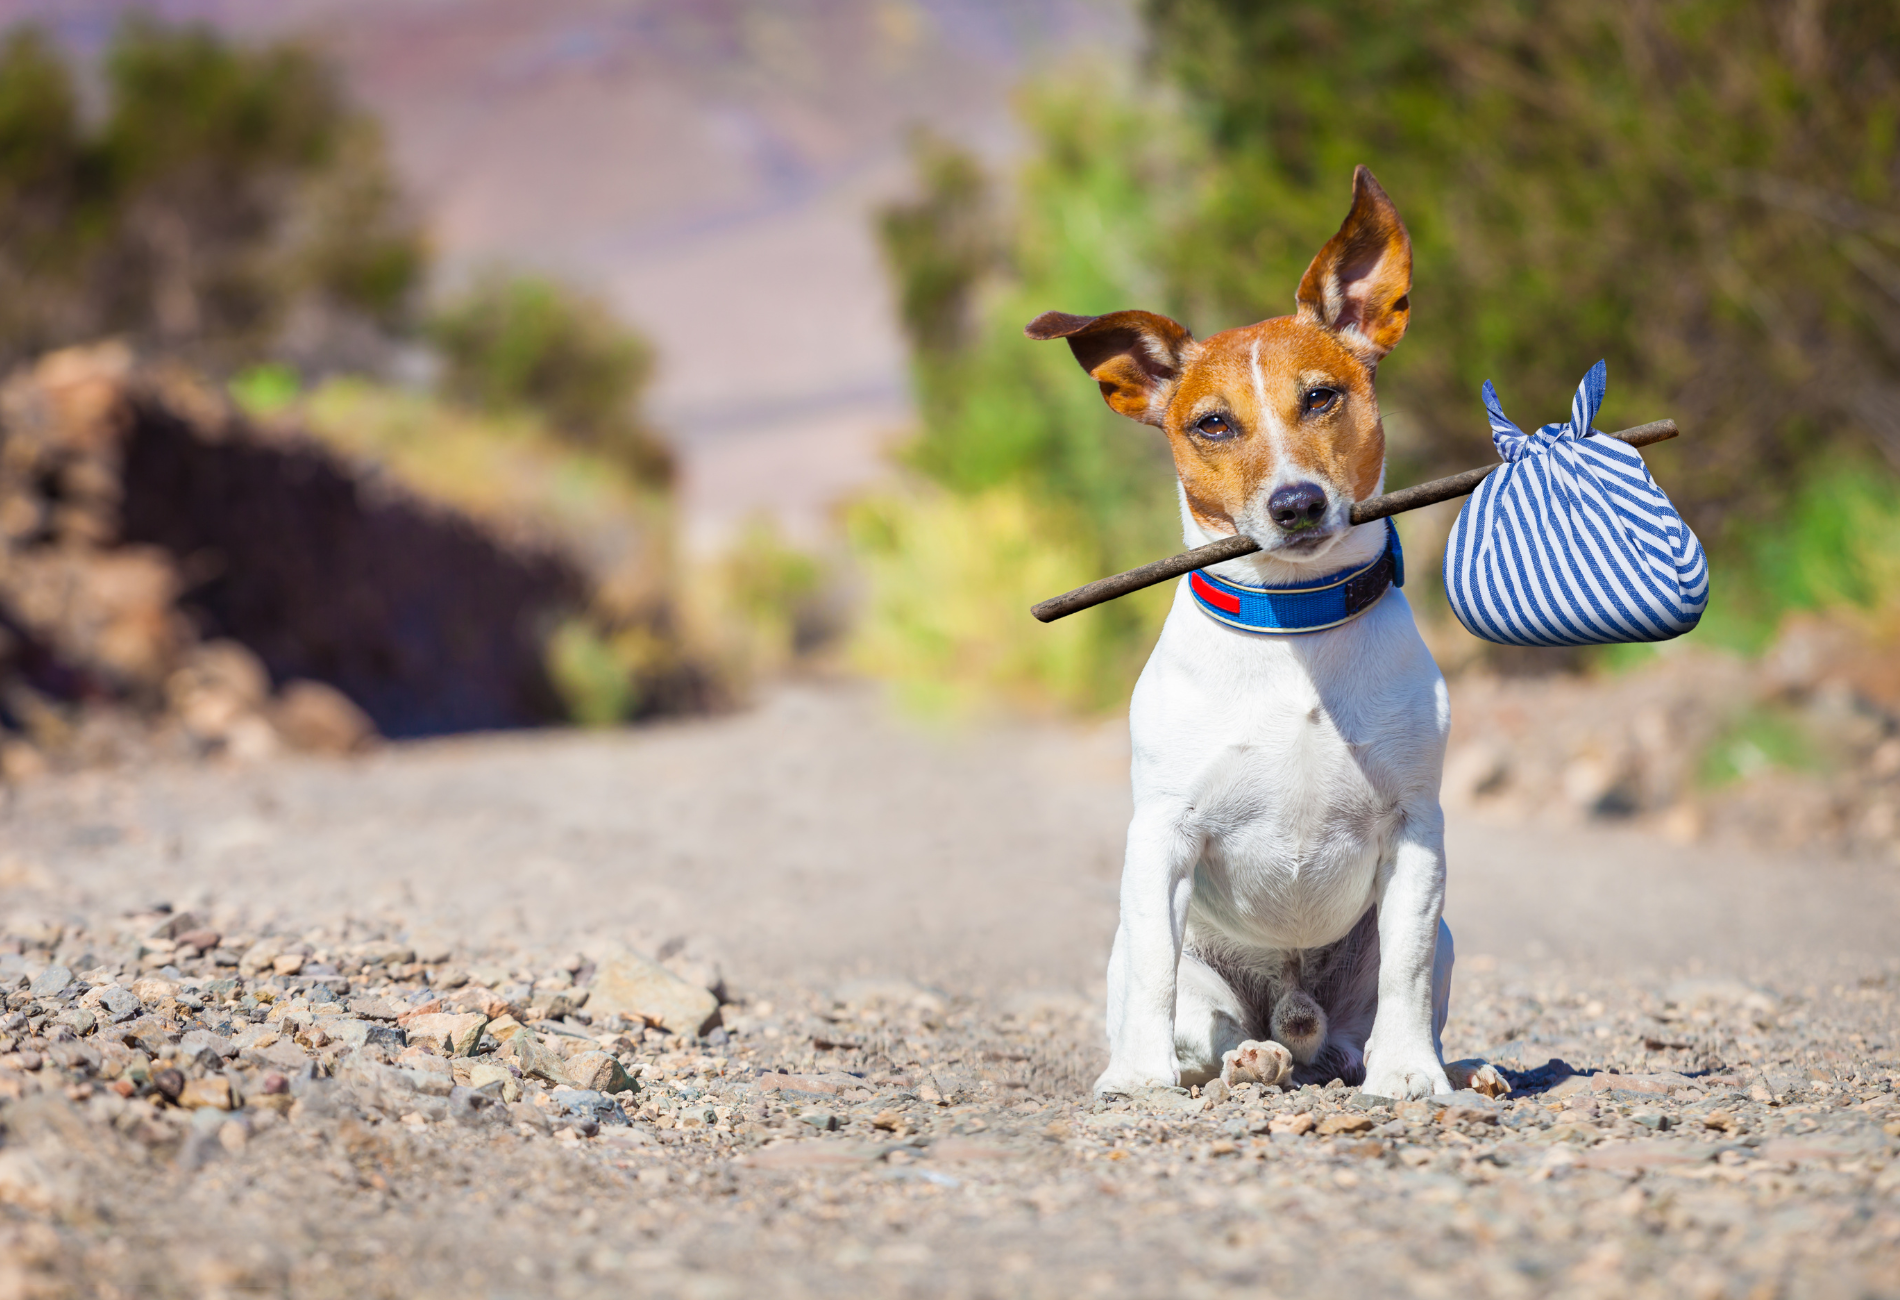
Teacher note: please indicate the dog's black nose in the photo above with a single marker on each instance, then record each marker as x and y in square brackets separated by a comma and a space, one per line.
[1297, 506]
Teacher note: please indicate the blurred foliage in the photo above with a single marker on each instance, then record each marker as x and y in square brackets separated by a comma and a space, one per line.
[1033, 481]
[266, 388]
[1756, 740]
[940, 245]
[523, 343]
[506, 470]
[951, 581]
[1705, 192]
[1702, 191]
[767, 602]
[224, 202]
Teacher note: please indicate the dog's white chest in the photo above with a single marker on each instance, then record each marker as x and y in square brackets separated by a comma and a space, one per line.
[1292, 758]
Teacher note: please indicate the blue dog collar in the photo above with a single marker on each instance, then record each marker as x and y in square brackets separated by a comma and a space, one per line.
[1293, 611]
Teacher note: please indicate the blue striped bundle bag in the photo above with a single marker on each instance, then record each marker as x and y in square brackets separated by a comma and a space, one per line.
[1571, 542]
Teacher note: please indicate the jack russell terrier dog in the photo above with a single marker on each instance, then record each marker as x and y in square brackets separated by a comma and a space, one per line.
[1285, 868]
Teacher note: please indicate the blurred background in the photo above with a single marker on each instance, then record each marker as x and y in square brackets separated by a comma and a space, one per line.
[407, 368]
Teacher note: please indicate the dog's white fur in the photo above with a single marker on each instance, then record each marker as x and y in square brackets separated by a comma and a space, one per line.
[1284, 786]
[1284, 881]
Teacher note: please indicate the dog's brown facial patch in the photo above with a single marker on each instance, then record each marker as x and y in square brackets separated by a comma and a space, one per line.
[1272, 401]
[1287, 399]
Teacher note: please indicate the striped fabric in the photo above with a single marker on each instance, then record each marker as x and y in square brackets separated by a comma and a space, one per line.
[1572, 542]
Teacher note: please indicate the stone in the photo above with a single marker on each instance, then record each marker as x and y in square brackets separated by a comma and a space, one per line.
[214, 1092]
[348, 1031]
[51, 982]
[599, 1072]
[456, 1035]
[260, 955]
[536, 1061]
[78, 1019]
[374, 1009]
[638, 989]
[504, 1027]
[532, 1116]
[472, 1106]
[1334, 1125]
[1292, 1125]
[289, 963]
[483, 1074]
[586, 1102]
[154, 989]
[320, 719]
[119, 1003]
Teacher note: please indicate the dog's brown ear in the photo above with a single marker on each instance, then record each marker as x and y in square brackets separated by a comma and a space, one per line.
[1136, 356]
[1358, 285]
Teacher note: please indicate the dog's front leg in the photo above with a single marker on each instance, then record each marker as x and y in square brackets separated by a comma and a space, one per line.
[1402, 1051]
[1157, 880]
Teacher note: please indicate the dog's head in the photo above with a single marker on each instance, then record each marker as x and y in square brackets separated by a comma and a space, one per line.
[1275, 428]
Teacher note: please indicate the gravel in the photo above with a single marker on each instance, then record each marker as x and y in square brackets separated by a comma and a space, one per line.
[1689, 1123]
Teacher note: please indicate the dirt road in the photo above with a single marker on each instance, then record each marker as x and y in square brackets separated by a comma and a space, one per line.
[910, 929]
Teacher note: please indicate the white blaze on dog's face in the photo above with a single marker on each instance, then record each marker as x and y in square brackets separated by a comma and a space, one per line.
[1275, 428]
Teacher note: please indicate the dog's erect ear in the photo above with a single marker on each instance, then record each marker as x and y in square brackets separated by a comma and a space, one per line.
[1358, 285]
[1134, 355]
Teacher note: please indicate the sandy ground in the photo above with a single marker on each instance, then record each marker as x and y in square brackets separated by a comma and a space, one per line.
[913, 926]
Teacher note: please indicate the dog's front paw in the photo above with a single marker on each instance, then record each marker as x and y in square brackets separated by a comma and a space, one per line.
[1479, 1076]
[1405, 1080]
[1128, 1083]
[1263, 1063]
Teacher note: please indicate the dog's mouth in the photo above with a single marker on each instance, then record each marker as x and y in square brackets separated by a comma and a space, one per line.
[1307, 544]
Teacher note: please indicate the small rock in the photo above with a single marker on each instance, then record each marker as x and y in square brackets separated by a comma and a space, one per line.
[78, 1019]
[504, 1027]
[1333, 1125]
[536, 1061]
[169, 1083]
[319, 719]
[1720, 1121]
[201, 939]
[473, 1106]
[214, 1092]
[119, 1003]
[822, 1120]
[457, 1035]
[154, 989]
[600, 1072]
[1294, 1125]
[638, 989]
[51, 982]
[483, 1074]
[347, 1031]
[591, 1104]
[533, 1116]
[289, 963]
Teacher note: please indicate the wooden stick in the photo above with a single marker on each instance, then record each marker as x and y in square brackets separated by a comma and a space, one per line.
[1229, 548]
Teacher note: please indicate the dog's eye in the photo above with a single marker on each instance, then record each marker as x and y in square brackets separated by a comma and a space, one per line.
[1216, 427]
[1320, 399]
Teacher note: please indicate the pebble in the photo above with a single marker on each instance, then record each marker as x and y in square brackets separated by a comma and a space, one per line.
[638, 989]
[120, 1003]
[213, 1091]
[51, 982]
[595, 1105]
[456, 1035]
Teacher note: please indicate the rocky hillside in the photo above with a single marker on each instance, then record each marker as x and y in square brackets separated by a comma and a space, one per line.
[174, 573]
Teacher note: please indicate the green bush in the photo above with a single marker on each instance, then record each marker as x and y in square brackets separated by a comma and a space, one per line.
[515, 343]
[222, 190]
[1702, 191]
